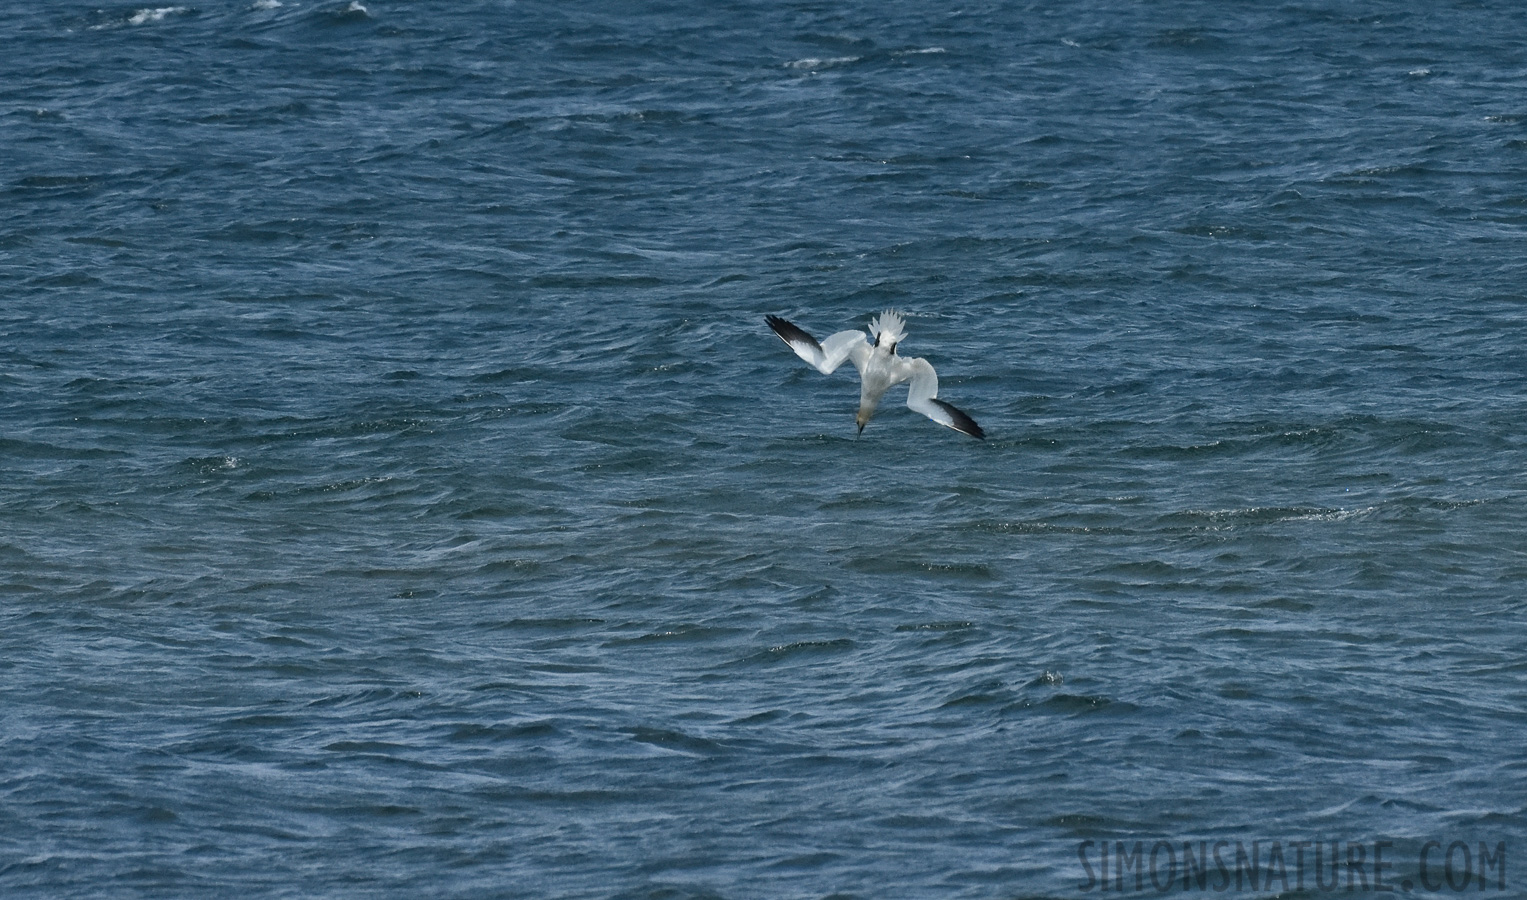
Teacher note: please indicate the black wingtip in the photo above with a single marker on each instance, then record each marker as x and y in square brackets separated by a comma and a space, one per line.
[962, 423]
[790, 333]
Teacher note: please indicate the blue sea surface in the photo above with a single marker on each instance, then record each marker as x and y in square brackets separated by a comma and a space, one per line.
[401, 494]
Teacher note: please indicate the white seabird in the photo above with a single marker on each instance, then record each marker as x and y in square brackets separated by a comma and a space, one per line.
[879, 368]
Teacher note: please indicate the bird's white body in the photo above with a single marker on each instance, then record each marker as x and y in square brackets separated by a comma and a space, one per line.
[879, 368]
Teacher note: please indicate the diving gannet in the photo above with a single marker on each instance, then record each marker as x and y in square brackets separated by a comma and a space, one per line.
[879, 368]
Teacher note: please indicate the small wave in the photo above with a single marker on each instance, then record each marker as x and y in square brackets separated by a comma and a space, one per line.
[1081, 704]
[880, 564]
[796, 648]
[1048, 528]
[1222, 519]
[813, 62]
[473, 732]
[57, 181]
[936, 626]
[1048, 679]
[266, 4]
[210, 465]
[684, 632]
[144, 16]
[678, 741]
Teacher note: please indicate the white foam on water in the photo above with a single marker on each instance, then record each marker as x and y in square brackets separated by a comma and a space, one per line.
[816, 63]
[144, 16]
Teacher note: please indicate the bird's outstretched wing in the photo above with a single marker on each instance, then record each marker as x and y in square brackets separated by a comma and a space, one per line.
[828, 355]
[922, 397]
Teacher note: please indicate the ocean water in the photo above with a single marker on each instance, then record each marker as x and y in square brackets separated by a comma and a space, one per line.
[402, 496]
